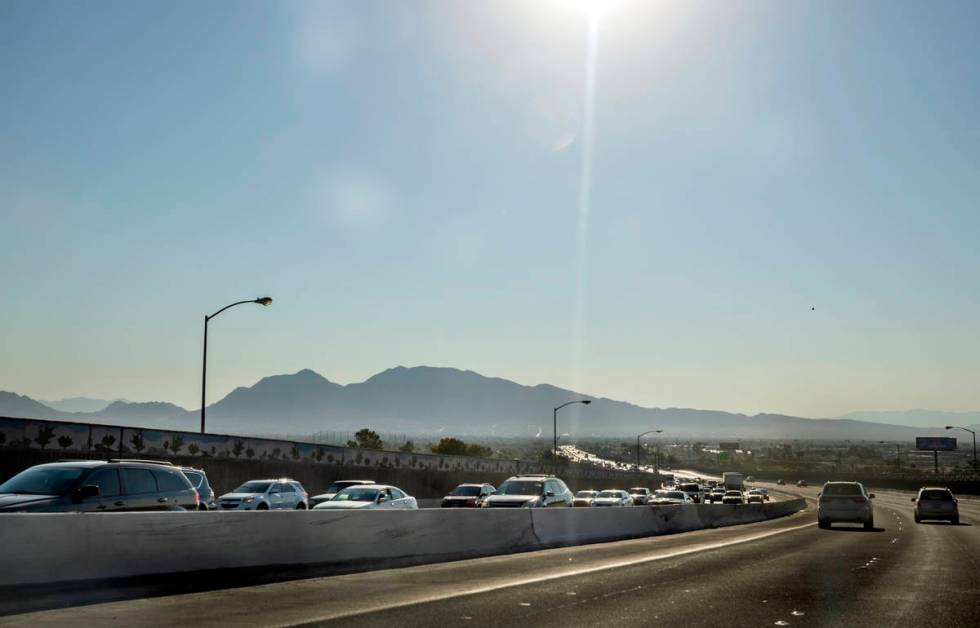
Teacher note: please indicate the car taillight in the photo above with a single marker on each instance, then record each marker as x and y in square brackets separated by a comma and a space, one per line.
[197, 498]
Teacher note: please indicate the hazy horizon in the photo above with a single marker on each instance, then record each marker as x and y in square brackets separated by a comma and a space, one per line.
[762, 207]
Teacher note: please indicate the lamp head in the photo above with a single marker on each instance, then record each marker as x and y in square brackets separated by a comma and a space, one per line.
[586, 401]
[264, 300]
[949, 427]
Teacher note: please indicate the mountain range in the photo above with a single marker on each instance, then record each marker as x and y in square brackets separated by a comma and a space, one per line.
[430, 400]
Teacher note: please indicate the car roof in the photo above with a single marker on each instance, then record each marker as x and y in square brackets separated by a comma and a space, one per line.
[935, 488]
[91, 464]
[353, 481]
[472, 484]
[841, 482]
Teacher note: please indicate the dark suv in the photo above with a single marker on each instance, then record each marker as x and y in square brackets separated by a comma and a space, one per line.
[98, 486]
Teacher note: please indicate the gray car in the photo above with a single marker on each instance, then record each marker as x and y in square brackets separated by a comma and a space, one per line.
[199, 480]
[280, 494]
[98, 486]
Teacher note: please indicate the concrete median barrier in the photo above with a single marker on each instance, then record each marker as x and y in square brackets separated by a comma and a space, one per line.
[50, 548]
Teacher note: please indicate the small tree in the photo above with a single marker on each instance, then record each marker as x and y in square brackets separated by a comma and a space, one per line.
[176, 444]
[136, 440]
[250, 453]
[193, 449]
[450, 447]
[65, 441]
[3, 439]
[366, 439]
[108, 441]
[408, 447]
[294, 452]
[238, 448]
[44, 435]
[478, 451]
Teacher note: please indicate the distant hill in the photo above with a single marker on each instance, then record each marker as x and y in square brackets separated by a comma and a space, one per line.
[430, 400]
[78, 404]
[918, 417]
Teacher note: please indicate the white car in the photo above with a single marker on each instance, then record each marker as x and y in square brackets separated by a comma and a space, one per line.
[369, 496]
[335, 488]
[669, 498]
[755, 496]
[640, 495]
[281, 494]
[845, 502]
[733, 497]
[936, 503]
[614, 498]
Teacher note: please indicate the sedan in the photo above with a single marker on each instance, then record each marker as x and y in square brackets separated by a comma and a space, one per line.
[369, 496]
[468, 496]
[846, 502]
[614, 498]
[335, 488]
[583, 499]
[732, 497]
[755, 496]
[670, 498]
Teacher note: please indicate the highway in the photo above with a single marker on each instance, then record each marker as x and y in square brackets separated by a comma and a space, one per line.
[781, 572]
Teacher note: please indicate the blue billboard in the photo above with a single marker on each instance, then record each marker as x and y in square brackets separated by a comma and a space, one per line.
[935, 443]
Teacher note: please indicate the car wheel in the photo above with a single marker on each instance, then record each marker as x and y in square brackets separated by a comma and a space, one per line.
[262, 507]
[869, 524]
[301, 506]
[955, 520]
[823, 524]
[202, 507]
[917, 518]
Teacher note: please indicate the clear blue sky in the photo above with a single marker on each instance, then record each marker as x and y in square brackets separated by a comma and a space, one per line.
[403, 178]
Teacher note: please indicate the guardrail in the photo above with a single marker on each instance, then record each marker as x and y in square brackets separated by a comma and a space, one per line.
[55, 548]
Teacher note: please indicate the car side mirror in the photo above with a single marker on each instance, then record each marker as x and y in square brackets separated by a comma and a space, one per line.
[84, 492]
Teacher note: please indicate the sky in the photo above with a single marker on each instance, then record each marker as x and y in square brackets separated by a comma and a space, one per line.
[760, 206]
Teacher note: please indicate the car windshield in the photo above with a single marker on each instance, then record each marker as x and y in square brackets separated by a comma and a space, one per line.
[609, 494]
[521, 487]
[733, 494]
[355, 494]
[842, 489]
[466, 491]
[936, 495]
[585, 494]
[253, 487]
[43, 480]
[639, 491]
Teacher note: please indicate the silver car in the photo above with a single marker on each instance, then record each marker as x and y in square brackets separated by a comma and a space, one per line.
[845, 502]
[335, 488]
[281, 494]
[615, 498]
[369, 496]
[640, 495]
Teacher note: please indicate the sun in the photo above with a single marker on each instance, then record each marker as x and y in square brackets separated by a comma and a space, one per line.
[592, 9]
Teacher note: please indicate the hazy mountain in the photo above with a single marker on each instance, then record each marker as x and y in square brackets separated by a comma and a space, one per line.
[428, 400]
[78, 404]
[431, 400]
[916, 417]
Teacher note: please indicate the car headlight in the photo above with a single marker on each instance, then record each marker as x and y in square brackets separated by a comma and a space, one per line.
[248, 500]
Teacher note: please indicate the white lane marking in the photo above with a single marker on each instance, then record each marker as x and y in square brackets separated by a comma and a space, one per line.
[798, 613]
[537, 579]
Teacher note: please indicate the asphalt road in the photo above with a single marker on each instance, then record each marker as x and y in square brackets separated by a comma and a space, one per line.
[780, 572]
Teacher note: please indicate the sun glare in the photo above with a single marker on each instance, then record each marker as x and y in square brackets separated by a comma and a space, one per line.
[592, 9]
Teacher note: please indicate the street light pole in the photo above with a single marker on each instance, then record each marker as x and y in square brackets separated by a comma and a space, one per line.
[949, 427]
[554, 415]
[264, 301]
[638, 445]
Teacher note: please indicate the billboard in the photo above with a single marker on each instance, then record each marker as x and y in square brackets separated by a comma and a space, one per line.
[728, 446]
[937, 443]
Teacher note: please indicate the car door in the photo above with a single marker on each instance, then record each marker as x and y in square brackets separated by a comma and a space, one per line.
[275, 496]
[398, 498]
[110, 497]
[140, 490]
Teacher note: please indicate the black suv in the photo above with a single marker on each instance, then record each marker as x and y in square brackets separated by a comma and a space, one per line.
[98, 486]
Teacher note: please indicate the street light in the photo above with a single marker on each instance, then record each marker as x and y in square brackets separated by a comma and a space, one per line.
[638, 445]
[264, 301]
[949, 427]
[555, 417]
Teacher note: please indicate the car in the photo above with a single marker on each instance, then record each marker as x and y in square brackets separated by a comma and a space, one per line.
[716, 495]
[801, 483]
[370, 497]
[99, 486]
[749, 478]
[755, 496]
[530, 491]
[670, 498]
[692, 489]
[765, 493]
[199, 480]
[639, 495]
[780, 483]
[934, 502]
[733, 497]
[277, 494]
[468, 496]
[713, 484]
[845, 502]
[584, 499]
[335, 488]
[612, 497]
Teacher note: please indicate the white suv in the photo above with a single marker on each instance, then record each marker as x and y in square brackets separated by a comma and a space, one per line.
[936, 503]
[530, 491]
[845, 502]
[281, 494]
